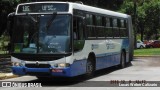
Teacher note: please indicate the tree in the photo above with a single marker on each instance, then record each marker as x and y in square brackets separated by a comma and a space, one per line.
[153, 19]
[147, 16]
[7, 6]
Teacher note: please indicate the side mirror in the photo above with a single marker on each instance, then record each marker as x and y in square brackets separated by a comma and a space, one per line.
[10, 21]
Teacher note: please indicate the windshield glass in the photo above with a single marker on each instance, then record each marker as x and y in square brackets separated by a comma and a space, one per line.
[47, 35]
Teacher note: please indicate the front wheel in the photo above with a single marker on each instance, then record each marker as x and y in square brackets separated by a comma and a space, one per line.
[89, 68]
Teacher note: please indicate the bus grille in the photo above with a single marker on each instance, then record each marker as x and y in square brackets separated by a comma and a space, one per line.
[38, 65]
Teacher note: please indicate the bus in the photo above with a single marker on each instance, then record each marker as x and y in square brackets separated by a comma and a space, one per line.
[68, 39]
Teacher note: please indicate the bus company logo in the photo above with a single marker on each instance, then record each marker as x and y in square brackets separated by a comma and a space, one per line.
[6, 84]
[37, 63]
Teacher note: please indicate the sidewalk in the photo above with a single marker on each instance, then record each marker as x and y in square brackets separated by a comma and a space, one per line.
[146, 55]
[5, 69]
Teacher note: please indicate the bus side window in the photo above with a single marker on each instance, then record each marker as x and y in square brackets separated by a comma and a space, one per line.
[78, 33]
[78, 28]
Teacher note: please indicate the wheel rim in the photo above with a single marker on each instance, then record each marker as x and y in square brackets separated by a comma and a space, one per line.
[89, 67]
[122, 61]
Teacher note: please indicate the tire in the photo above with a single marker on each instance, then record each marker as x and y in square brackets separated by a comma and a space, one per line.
[90, 68]
[141, 47]
[123, 60]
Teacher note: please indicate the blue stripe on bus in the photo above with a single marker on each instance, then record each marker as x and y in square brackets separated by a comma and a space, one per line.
[107, 61]
[18, 70]
[77, 68]
[37, 70]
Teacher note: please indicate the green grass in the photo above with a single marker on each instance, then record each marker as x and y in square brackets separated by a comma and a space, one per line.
[3, 52]
[147, 52]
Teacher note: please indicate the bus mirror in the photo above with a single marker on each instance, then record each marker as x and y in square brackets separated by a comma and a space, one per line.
[10, 21]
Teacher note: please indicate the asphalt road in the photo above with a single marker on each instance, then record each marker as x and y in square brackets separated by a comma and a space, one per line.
[143, 69]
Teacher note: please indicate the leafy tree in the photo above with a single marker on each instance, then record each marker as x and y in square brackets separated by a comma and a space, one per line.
[152, 19]
[147, 16]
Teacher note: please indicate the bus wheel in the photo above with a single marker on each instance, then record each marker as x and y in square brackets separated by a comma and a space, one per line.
[123, 60]
[89, 68]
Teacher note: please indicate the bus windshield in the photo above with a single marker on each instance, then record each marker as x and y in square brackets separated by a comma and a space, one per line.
[47, 36]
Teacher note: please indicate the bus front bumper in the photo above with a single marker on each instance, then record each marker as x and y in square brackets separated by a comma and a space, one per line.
[75, 69]
[65, 72]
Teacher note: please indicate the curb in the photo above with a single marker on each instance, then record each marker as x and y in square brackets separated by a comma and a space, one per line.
[7, 76]
[147, 56]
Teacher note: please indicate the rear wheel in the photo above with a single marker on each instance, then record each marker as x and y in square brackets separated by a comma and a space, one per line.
[123, 60]
[141, 47]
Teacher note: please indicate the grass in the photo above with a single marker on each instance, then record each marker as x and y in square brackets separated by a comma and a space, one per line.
[147, 52]
[3, 52]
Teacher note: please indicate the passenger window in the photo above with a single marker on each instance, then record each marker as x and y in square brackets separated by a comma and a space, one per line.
[78, 28]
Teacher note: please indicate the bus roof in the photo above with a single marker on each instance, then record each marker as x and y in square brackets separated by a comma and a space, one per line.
[83, 7]
[97, 10]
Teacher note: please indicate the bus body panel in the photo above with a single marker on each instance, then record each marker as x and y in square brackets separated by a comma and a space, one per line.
[106, 56]
[107, 51]
[109, 56]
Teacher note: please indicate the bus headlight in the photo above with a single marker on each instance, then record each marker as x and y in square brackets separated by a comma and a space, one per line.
[15, 64]
[62, 65]
[18, 64]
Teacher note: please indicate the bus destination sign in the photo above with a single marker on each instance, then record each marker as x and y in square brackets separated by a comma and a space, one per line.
[42, 8]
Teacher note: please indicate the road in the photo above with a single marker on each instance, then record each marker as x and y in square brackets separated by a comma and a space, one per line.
[142, 69]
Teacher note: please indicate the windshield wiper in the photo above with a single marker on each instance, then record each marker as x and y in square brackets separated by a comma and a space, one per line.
[51, 20]
[33, 19]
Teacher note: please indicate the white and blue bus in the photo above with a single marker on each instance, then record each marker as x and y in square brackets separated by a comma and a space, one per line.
[68, 39]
